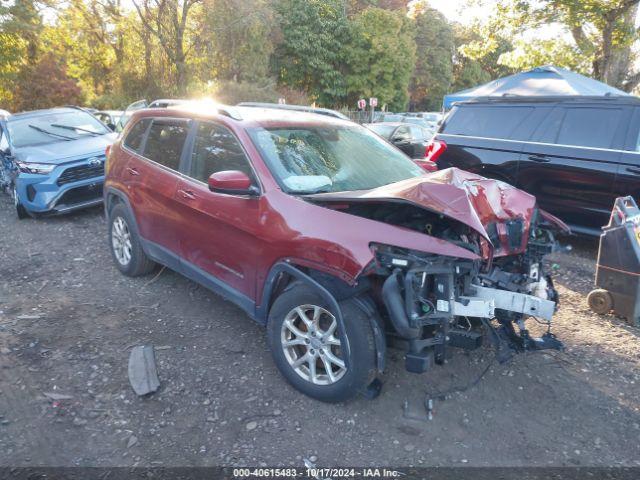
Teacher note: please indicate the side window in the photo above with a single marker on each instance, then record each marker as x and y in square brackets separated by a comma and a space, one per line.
[547, 131]
[216, 149]
[486, 121]
[417, 133]
[165, 141]
[134, 138]
[589, 127]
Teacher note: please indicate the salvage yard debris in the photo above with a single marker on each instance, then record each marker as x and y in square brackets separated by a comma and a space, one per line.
[143, 374]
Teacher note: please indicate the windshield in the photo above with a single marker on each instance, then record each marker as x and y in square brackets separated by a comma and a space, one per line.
[54, 127]
[384, 131]
[331, 158]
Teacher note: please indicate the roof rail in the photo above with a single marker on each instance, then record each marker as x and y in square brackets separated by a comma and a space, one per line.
[199, 105]
[228, 111]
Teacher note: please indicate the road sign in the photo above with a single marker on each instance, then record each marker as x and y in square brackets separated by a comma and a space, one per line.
[362, 103]
[373, 102]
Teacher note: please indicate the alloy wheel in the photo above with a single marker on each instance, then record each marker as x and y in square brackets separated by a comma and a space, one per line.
[121, 241]
[309, 338]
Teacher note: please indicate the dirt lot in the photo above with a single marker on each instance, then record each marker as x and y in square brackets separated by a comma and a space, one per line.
[68, 320]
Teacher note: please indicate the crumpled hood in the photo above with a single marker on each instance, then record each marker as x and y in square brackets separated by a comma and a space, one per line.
[61, 152]
[478, 202]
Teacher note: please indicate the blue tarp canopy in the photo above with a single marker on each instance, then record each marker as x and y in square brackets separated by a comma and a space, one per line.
[541, 81]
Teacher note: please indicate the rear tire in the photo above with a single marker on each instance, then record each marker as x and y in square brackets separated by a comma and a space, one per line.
[316, 347]
[21, 212]
[126, 248]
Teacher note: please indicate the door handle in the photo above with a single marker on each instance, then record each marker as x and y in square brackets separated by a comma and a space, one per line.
[188, 194]
[539, 158]
[635, 171]
[132, 171]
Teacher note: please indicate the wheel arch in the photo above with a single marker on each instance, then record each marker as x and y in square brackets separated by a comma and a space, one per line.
[113, 197]
[329, 287]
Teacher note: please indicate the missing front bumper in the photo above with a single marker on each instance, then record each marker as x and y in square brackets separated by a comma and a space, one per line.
[486, 300]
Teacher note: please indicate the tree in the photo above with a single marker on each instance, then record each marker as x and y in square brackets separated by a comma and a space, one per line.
[168, 21]
[602, 31]
[381, 57]
[310, 54]
[240, 40]
[478, 56]
[433, 74]
[45, 85]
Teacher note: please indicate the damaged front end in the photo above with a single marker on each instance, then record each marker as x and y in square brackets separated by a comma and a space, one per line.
[435, 302]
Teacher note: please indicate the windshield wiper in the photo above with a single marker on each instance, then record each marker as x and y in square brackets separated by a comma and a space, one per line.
[69, 127]
[47, 132]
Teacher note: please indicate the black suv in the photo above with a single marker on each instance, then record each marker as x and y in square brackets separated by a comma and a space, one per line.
[575, 154]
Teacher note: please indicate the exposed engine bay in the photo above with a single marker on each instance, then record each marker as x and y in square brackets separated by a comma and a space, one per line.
[434, 302]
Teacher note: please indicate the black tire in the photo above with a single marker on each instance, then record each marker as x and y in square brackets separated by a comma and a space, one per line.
[138, 263]
[361, 369]
[21, 212]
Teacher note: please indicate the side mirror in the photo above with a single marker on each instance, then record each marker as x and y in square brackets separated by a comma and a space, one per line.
[232, 182]
[399, 139]
[112, 126]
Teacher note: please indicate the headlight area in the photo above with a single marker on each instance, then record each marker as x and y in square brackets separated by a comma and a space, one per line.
[434, 302]
[35, 168]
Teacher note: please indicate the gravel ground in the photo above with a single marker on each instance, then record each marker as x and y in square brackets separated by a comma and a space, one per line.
[68, 319]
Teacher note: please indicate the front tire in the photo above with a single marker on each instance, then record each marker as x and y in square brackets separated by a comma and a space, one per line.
[304, 338]
[126, 248]
[21, 212]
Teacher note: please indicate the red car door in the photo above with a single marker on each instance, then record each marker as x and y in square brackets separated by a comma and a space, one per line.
[221, 231]
[151, 185]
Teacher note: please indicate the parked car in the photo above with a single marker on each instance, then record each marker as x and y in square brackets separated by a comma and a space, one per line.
[297, 108]
[109, 117]
[421, 122]
[52, 161]
[389, 117]
[140, 104]
[328, 235]
[575, 154]
[411, 139]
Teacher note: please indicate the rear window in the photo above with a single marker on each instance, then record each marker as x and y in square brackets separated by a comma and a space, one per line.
[589, 127]
[165, 142]
[486, 121]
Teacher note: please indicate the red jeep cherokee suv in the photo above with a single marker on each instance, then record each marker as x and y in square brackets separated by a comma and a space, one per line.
[331, 237]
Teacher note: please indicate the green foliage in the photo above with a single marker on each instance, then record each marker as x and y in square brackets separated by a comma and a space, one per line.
[310, 56]
[332, 52]
[241, 45]
[528, 54]
[433, 73]
[477, 56]
[380, 57]
[602, 34]
[12, 51]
